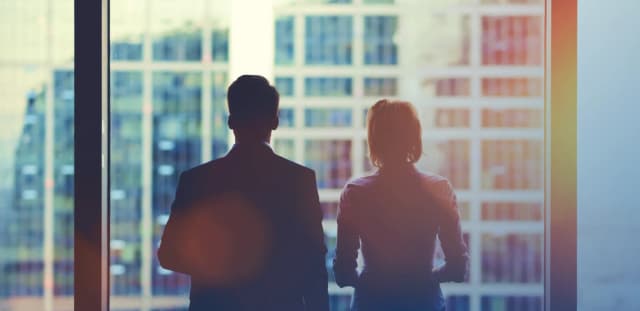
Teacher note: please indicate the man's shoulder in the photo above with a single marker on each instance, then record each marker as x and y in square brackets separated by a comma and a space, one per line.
[291, 166]
[204, 168]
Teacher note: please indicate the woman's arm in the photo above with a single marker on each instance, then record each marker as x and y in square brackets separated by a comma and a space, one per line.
[344, 264]
[456, 265]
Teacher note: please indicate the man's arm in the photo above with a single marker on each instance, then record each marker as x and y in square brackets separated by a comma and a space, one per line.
[316, 294]
[169, 252]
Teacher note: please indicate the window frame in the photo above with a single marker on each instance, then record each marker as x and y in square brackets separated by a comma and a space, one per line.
[91, 154]
[560, 285]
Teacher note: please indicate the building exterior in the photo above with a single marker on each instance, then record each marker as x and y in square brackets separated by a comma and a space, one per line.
[473, 69]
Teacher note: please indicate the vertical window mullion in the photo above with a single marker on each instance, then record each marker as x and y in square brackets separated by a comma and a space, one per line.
[91, 146]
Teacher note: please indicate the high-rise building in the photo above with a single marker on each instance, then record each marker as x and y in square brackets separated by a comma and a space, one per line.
[473, 69]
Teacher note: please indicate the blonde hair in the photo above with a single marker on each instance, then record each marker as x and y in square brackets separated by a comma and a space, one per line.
[394, 133]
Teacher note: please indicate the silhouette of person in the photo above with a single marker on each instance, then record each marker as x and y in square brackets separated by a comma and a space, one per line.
[247, 227]
[394, 217]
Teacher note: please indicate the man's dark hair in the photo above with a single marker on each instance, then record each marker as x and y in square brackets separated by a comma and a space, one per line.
[252, 100]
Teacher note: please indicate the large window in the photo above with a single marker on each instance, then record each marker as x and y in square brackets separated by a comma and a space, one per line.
[472, 68]
[474, 72]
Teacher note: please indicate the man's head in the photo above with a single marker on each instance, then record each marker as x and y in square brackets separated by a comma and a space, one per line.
[253, 107]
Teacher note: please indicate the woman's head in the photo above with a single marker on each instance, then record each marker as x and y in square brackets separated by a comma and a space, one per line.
[394, 133]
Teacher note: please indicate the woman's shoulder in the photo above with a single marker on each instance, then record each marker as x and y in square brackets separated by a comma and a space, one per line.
[365, 181]
[437, 186]
[429, 178]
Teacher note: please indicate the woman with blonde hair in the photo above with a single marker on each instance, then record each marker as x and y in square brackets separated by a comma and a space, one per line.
[394, 216]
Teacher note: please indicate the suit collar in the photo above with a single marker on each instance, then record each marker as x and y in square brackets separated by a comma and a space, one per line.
[250, 148]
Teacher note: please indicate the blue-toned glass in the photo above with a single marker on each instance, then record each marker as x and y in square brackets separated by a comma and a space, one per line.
[126, 182]
[285, 86]
[287, 117]
[177, 100]
[380, 86]
[22, 224]
[379, 44]
[337, 117]
[284, 36]
[328, 40]
[458, 303]
[219, 127]
[220, 45]
[490, 303]
[63, 181]
[126, 50]
[328, 87]
[178, 45]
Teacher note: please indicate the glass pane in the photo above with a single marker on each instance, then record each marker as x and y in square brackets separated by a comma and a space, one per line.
[331, 160]
[380, 47]
[328, 87]
[511, 258]
[287, 117]
[284, 40]
[284, 147]
[512, 40]
[448, 117]
[481, 117]
[512, 87]
[285, 86]
[168, 114]
[450, 158]
[380, 87]
[512, 211]
[512, 118]
[219, 128]
[176, 30]
[449, 46]
[452, 87]
[36, 131]
[512, 164]
[328, 117]
[525, 303]
[328, 40]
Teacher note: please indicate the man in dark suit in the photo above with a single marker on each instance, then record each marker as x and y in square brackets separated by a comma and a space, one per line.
[247, 227]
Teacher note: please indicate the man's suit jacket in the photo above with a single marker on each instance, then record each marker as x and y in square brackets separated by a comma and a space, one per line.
[247, 228]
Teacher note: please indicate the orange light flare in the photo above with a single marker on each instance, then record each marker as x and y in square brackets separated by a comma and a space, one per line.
[225, 239]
